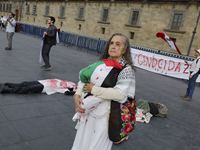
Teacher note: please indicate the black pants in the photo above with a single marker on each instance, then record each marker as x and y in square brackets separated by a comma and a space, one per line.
[23, 87]
[45, 54]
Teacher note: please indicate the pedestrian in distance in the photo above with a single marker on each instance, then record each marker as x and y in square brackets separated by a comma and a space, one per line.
[49, 41]
[10, 29]
[194, 73]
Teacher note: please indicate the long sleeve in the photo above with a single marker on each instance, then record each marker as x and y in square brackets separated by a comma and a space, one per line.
[196, 68]
[53, 32]
[78, 91]
[189, 63]
[125, 87]
[107, 93]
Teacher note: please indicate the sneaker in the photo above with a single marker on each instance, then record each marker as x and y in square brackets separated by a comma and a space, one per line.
[42, 67]
[47, 68]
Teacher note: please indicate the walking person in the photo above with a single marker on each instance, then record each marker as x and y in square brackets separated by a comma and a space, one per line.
[49, 41]
[10, 29]
[194, 73]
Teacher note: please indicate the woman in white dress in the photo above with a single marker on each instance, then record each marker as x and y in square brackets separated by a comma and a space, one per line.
[93, 109]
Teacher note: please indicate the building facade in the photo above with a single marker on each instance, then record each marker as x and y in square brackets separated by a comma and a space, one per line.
[139, 20]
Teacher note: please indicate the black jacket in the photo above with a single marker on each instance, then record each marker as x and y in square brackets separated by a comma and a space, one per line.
[50, 38]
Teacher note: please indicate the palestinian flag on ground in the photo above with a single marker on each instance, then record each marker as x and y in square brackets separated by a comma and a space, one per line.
[168, 40]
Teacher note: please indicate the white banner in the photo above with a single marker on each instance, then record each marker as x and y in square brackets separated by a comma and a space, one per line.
[164, 65]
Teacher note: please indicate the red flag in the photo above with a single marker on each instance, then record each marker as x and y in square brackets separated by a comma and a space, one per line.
[168, 40]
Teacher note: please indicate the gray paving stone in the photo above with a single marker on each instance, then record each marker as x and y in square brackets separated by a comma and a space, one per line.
[36, 127]
[52, 107]
[2, 117]
[8, 134]
[20, 111]
[17, 146]
[56, 142]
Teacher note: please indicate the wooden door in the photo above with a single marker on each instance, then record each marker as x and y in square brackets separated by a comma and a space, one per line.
[16, 15]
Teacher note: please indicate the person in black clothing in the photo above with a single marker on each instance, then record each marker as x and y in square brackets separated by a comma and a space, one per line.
[49, 41]
[48, 86]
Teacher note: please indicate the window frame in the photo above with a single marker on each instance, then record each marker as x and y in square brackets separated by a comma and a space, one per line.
[62, 16]
[79, 12]
[34, 12]
[102, 16]
[169, 26]
[176, 27]
[28, 9]
[137, 24]
[45, 10]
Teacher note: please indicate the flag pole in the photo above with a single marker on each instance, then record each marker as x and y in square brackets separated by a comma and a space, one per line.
[193, 34]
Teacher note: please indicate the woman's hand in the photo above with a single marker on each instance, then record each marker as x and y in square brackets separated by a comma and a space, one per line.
[78, 102]
[88, 87]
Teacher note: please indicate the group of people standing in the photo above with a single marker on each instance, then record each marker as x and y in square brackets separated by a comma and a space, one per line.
[48, 41]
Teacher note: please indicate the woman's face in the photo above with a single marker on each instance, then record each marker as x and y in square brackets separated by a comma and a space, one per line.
[116, 48]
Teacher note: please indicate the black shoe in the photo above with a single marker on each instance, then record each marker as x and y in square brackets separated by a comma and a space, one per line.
[1, 87]
[8, 48]
[47, 68]
[42, 67]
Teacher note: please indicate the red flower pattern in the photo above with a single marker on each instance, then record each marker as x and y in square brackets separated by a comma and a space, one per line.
[127, 129]
[126, 117]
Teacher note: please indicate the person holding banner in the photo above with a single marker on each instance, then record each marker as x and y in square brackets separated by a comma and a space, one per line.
[10, 29]
[49, 41]
[194, 73]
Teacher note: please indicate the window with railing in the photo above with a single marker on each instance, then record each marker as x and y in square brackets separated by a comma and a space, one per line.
[10, 7]
[105, 15]
[134, 17]
[0, 7]
[176, 22]
[46, 12]
[7, 7]
[62, 11]
[4, 7]
[34, 10]
[27, 9]
[81, 13]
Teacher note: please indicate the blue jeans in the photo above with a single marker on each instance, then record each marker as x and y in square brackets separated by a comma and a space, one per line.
[191, 85]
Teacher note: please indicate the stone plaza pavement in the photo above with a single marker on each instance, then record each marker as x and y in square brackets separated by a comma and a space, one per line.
[42, 122]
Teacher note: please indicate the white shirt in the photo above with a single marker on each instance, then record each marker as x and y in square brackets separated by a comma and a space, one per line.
[194, 66]
[10, 28]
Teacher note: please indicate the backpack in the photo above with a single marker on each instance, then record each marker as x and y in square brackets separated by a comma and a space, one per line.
[162, 110]
[199, 68]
